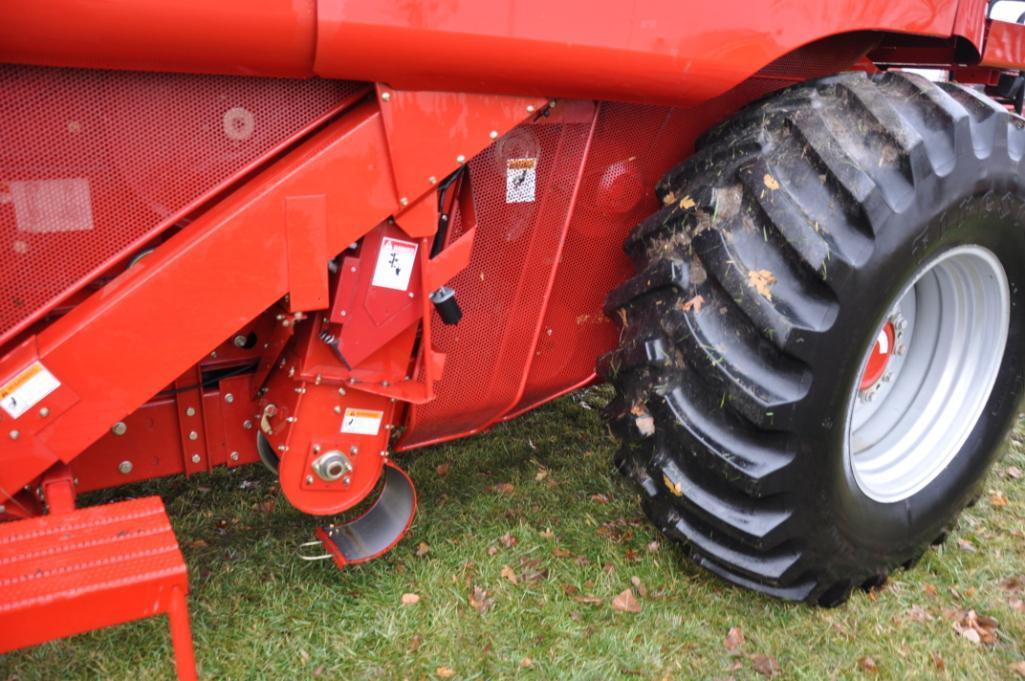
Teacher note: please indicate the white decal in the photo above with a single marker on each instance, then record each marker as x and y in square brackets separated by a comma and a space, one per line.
[25, 390]
[362, 421]
[520, 180]
[42, 206]
[394, 264]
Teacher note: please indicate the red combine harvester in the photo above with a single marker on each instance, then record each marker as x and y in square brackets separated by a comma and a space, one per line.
[318, 234]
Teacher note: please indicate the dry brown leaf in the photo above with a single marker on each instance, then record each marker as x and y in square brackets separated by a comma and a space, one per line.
[673, 487]
[600, 498]
[422, 549]
[918, 614]
[542, 473]
[734, 640]
[761, 281]
[642, 591]
[976, 628]
[510, 574]
[770, 182]
[508, 541]
[480, 600]
[653, 546]
[560, 552]
[442, 469]
[410, 599]
[1019, 668]
[626, 602]
[997, 499]
[669, 198]
[590, 600]
[687, 203]
[197, 544]
[1013, 472]
[1013, 584]
[526, 663]
[938, 662]
[415, 643]
[504, 488]
[966, 545]
[492, 550]
[445, 672]
[694, 303]
[765, 665]
[867, 664]
[547, 533]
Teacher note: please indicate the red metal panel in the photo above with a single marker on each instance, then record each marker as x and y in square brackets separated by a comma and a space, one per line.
[505, 287]
[1005, 46]
[95, 164]
[647, 50]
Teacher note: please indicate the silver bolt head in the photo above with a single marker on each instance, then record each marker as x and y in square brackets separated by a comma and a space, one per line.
[247, 424]
[530, 108]
[229, 398]
[460, 159]
[14, 434]
[193, 435]
[337, 409]
[385, 96]
[191, 411]
[196, 458]
[239, 341]
[493, 134]
[125, 467]
[309, 479]
[119, 428]
[44, 412]
[234, 456]
[346, 480]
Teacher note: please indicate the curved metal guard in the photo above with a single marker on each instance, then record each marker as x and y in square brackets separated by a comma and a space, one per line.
[379, 529]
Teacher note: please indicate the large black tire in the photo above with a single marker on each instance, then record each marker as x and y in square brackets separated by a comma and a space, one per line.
[733, 390]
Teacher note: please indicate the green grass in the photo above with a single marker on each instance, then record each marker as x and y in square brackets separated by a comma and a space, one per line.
[259, 612]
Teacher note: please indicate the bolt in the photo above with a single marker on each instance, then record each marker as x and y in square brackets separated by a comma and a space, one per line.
[247, 424]
[119, 428]
[196, 458]
[44, 412]
[343, 313]
[290, 419]
[493, 134]
[338, 409]
[190, 411]
[193, 435]
[530, 108]
[229, 398]
[214, 354]
[385, 384]
[125, 467]
[14, 434]
[346, 480]
[460, 159]
[282, 448]
[240, 341]
[291, 372]
[404, 201]
[234, 456]
[432, 179]
[410, 294]
[3, 509]
[341, 391]
[900, 349]
[309, 479]
[385, 96]
[354, 450]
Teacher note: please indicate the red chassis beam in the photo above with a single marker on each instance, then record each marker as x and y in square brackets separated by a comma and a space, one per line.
[670, 51]
[147, 327]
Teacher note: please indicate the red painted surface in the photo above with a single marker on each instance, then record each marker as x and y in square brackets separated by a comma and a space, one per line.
[651, 50]
[879, 359]
[1005, 46]
[64, 574]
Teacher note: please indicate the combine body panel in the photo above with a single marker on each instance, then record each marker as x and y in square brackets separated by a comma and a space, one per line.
[316, 233]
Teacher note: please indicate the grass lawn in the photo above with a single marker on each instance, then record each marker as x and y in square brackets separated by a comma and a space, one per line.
[525, 537]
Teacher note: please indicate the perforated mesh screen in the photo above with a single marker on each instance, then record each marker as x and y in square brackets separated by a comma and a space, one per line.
[93, 161]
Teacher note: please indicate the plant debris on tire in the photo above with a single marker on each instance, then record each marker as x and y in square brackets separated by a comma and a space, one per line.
[821, 351]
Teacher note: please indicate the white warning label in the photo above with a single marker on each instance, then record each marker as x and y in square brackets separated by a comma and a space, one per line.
[362, 421]
[394, 264]
[27, 389]
[42, 206]
[520, 180]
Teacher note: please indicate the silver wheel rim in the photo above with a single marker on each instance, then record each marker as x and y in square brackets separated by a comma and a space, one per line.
[951, 326]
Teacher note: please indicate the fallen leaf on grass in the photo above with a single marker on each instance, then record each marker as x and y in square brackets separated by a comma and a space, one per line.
[508, 541]
[975, 628]
[504, 488]
[1013, 472]
[938, 662]
[642, 591]
[589, 600]
[687, 203]
[480, 600]
[1019, 668]
[734, 640]
[966, 545]
[560, 552]
[197, 544]
[422, 549]
[600, 498]
[669, 198]
[626, 602]
[410, 599]
[510, 574]
[761, 281]
[765, 665]
[442, 469]
[997, 499]
[653, 546]
[492, 550]
[770, 182]
[444, 672]
[542, 473]
[868, 664]
[694, 303]
[918, 614]
[415, 643]
[526, 663]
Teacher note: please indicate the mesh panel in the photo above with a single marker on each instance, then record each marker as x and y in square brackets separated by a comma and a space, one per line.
[502, 291]
[92, 161]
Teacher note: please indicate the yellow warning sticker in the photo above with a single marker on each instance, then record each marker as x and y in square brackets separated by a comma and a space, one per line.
[362, 421]
[27, 389]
